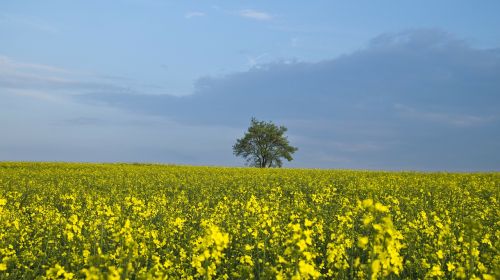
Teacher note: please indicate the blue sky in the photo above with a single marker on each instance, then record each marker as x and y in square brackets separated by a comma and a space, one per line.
[366, 84]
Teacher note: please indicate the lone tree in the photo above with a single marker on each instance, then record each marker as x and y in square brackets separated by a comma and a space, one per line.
[264, 145]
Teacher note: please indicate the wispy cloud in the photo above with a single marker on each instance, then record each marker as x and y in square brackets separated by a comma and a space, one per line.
[38, 95]
[193, 14]
[254, 61]
[30, 76]
[50, 83]
[255, 15]
[7, 63]
[27, 22]
[46, 81]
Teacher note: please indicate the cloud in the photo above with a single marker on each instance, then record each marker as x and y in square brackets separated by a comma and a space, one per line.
[419, 99]
[44, 83]
[447, 93]
[413, 71]
[27, 22]
[459, 120]
[7, 63]
[254, 61]
[36, 79]
[193, 14]
[42, 118]
[255, 15]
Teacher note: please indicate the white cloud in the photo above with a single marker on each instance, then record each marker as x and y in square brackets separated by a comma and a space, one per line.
[190, 15]
[255, 15]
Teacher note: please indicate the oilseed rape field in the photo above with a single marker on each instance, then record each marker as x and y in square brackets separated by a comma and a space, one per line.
[137, 221]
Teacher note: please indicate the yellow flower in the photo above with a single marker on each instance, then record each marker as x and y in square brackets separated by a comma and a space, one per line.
[246, 260]
[302, 245]
[114, 273]
[3, 266]
[440, 254]
[380, 207]
[179, 223]
[436, 271]
[308, 269]
[375, 269]
[363, 241]
[308, 223]
[367, 219]
[367, 202]
[69, 235]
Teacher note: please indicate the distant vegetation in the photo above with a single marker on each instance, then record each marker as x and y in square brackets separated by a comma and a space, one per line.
[264, 145]
[154, 221]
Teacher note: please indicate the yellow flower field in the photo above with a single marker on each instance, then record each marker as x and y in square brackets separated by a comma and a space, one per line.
[116, 221]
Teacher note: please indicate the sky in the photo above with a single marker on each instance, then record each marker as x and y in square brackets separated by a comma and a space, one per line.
[382, 85]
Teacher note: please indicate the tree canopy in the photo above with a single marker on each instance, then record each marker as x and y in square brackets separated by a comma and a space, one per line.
[264, 145]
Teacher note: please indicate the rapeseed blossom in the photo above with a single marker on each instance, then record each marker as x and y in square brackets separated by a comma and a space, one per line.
[119, 221]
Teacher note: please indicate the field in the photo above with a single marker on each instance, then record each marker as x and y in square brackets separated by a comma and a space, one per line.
[112, 221]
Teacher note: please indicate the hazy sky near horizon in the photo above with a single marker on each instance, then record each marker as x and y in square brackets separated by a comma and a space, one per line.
[366, 84]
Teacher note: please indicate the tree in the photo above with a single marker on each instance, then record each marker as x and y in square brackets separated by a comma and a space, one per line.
[264, 145]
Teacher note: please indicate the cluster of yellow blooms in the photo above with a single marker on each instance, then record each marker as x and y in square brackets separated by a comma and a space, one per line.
[208, 252]
[120, 221]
